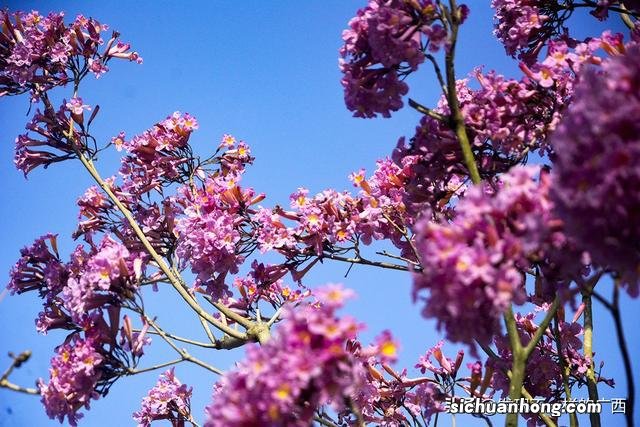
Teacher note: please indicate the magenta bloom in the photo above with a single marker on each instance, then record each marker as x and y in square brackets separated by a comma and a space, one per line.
[74, 375]
[385, 41]
[169, 400]
[596, 173]
[518, 22]
[155, 155]
[304, 365]
[473, 266]
[108, 275]
[543, 375]
[37, 51]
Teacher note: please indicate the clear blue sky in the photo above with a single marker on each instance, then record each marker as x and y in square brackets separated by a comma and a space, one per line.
[267, 73]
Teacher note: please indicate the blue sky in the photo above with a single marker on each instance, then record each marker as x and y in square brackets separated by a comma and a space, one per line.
[266, 72]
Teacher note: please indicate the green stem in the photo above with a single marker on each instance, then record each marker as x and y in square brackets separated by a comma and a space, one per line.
[588, 353]
[537, 336]
[456, 119]
[565, 370]
[515, 386]
[173, 279]
[518, 366]
[154, 367]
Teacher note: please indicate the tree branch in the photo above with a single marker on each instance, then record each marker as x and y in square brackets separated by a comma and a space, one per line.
[16, 363]
[175, 281]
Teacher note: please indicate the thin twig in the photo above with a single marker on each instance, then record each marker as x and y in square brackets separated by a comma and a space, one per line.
[154, 367]
[324, 422]
[181, 351]
[363, 261]
[427, 111]
[614, 309]
[275, 316]
[16, 363]
[175, 281]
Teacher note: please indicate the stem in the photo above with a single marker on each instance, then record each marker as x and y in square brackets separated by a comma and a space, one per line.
[564, 370]
[363, 261]
[515, 386]
[154, 367]
[207, 330]
[456, 119]
[624, 351]
[181, 351]
[14, 387]
[542, 328]
[519, 364]
[276, 315]
[175, 281]
[356, 412]
[324, 422]
[545, 418]
[521, 354]
[405, 234]
[588, 352]
[426, 111]
[16, 363]
[436, 68]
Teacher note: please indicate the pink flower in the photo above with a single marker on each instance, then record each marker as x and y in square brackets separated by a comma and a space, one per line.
[307, 365]
[169, 400]
[76, 106]
[596, 172]
[74, 374]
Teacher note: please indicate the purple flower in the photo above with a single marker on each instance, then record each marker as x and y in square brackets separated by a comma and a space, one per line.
[108, 275]
[596, 174]
[518, 22]
[304, 365]
[169, 400]
[155, 155]
[37, 55]
[76, 106]
[74, 374]
[473, 267]
[385, 41]
[39, 268]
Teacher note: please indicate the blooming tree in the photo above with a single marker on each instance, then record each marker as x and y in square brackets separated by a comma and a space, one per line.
[505, 256]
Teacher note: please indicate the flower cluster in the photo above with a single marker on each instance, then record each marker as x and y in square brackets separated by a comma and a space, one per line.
[383, 43]
[87, 364]
[331, 218]
[38, 268]
[559, 347]
[75, 372]
[106, 276]
[513, 114]
[596, 173]
[525, 26]
[48, 140]
[89, 361]
[169, 400]
[519, 23]
[39, 52]
[155, 155]
[506, 119]
[304, 365]
[383, 399]
[211, 233]
[473, 266]
[77, 292]
[265, 283]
